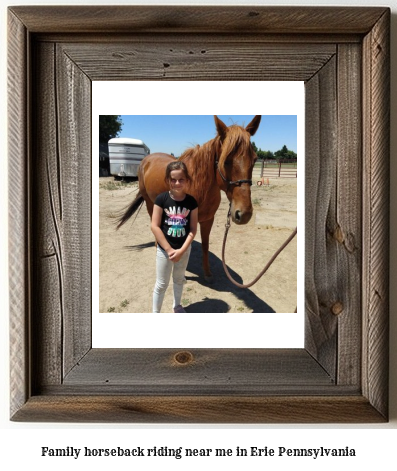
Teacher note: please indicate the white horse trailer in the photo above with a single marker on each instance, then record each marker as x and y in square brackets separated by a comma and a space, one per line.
[125, 155]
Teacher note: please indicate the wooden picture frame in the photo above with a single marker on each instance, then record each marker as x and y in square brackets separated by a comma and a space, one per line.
[342, 54]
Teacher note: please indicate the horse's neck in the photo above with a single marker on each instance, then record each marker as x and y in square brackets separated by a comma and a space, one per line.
[201, 165]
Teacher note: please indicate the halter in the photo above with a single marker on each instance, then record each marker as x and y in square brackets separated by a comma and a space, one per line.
[229, 182]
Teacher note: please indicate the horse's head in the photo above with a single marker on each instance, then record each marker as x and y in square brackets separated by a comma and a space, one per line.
[235, 162]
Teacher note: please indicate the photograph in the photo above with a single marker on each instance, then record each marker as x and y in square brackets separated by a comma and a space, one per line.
[192, 208]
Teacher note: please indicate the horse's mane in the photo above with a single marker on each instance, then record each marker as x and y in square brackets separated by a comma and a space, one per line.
[201, 159]
[237, 139]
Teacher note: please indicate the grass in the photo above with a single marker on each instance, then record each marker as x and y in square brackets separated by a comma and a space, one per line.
[121, 306]
[124, 303]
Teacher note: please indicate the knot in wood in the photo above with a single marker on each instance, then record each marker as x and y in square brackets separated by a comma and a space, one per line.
[183, 358]
[337, 308]
[338, 235]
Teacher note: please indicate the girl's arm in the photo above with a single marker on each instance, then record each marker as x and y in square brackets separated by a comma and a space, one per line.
[156, 229]
[175, 257]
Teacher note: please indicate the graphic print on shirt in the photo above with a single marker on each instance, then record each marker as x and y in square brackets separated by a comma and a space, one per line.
[177, 219]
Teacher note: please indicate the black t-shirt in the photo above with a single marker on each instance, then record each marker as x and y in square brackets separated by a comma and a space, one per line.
[175, 220]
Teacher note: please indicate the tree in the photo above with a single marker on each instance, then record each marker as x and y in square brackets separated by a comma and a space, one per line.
[282, 153]
[262, 154]
[265, 154]
[285, 153]
[292, 155]
[109, 127]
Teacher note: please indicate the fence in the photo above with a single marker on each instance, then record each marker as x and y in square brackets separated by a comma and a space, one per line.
[279, 168]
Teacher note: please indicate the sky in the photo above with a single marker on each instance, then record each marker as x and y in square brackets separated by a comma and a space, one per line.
[174, 134]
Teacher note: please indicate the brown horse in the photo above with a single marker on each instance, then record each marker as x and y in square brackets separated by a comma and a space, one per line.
[224, 163]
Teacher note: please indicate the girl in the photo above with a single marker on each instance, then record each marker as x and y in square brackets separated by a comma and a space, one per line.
[174, 225]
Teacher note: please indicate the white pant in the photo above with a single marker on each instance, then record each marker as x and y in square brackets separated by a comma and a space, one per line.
[164, 267]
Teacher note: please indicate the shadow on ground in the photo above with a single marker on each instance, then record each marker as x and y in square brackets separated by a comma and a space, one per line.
[139, 247]
[219, 284]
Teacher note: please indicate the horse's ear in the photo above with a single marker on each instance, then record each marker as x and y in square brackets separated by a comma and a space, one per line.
[254, 125]
[220, 127]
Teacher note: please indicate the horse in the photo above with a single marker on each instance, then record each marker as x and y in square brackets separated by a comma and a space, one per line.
[223, 163]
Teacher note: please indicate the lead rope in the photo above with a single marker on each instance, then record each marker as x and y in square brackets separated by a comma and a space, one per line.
[269, 263]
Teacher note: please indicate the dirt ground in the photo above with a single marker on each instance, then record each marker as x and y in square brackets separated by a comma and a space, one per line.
[127, 256]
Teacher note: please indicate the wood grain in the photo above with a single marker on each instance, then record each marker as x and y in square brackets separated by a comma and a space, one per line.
[199, 409]
[347, 225]
[48, 300]
[376, 143]
[19, 223]
[198, 19]
[341, 375]
[74, 149]
[320, 173]
[204, 59]
[226, 369]
[63, 243]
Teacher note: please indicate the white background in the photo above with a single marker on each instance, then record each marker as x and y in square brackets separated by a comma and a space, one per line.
[256, 330]
[20, 443]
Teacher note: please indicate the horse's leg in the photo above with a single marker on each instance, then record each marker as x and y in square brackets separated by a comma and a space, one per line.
[205, 229]
[148, 201]
[149, 207]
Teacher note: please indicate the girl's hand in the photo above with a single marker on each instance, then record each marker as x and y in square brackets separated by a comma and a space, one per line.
[176, 256]
[170, 252]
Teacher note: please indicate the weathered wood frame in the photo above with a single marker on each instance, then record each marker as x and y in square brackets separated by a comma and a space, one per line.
[342, 54]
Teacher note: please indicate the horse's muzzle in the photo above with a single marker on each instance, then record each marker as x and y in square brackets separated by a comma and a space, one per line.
[241, 217]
